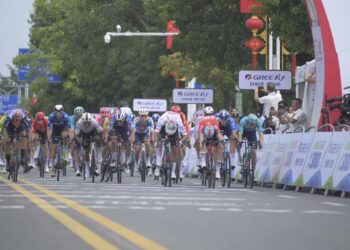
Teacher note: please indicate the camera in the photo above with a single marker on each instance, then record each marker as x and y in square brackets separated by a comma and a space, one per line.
[341, 103]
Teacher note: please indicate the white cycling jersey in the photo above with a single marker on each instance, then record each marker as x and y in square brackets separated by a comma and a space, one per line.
[126, 110]
[81, 127]
[168, 116]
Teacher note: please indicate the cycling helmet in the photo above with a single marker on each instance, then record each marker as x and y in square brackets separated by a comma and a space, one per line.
[252, 118]
[208, 110]
[86, 117]
[78, 110]
[17, 116]
[209, 131]
[176, 109]
[155, 117]
[171, 127]
[120, 116]
[40, 116]
[143, 111]
[224, 114]
[59, 107]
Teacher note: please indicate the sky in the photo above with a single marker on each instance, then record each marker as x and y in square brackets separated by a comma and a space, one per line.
[14, 30]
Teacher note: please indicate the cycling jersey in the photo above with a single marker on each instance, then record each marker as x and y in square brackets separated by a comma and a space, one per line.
[38, 127]
[170, 115]
[87, 129]
[2, 122]
[209, 120]
[143, 127]
[73, 121]
[58, 125]
[120, 127]
[249, 131]
[103, 120]
[229, 127]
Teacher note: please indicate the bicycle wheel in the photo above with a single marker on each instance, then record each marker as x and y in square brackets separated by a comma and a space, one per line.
[169, 175]
[223, 174]
[58, 170]
[251, 173]
[93, 164]
[245, 170]
[64, 168]
[143, 166]
[17, 165]
[41, 162]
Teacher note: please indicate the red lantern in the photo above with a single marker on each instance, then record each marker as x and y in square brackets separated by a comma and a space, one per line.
[254, 24]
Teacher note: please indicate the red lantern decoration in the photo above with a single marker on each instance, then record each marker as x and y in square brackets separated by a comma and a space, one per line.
[255, 44]
[254, 24]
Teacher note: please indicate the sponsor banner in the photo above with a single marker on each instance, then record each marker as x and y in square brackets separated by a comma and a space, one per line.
[190, 96]
[331, 159]
[278, 155]
[311, 171]
[260, 154]
[8, 102]
[300, 157]
[263, 174]
[251, 79]
[153, 105]
[285, 173]
[341, 174]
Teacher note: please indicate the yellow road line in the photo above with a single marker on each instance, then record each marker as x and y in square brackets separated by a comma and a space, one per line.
[132, 236]
[91, 238]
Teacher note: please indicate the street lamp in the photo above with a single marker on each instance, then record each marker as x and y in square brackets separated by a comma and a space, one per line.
[108, 36]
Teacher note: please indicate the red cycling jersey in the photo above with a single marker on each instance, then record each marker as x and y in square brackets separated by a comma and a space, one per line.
[39, 127]
[209, 120]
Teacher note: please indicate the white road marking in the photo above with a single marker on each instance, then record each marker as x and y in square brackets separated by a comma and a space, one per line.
[287, 196]
[11, 207]
[321, 212]
[102, 207]
[146, 208]
[271, 210]
[207, 209]
[335, 204]
[191, 203]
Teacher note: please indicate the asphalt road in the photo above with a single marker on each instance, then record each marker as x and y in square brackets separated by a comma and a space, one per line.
[72, 214]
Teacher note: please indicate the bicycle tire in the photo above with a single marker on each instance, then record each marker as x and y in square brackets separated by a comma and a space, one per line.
[41, 162]
[93, 165]
[64, 168]
[58, 171]
[169, 175]
[17, 165]
[245, 170]
[251, 173]
[223, 174]
[177, 172]
[228, 172]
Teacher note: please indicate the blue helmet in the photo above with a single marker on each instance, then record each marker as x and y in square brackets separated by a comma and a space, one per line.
[224, 114]
[209, 131]
[155, 117]
[253, 119]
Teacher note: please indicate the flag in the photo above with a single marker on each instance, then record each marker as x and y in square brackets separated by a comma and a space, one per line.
[170, 28]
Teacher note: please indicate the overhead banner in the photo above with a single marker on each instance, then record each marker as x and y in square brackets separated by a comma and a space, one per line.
[252, 79]
[153, 105]
[191, 96]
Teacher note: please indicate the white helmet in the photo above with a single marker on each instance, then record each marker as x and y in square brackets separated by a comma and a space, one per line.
[120, 115]
[86, 117]
[171, 127]
[59, 107]
[208, 110]
[143, 111]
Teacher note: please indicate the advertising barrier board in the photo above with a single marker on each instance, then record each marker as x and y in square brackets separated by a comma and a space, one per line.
[153, 105]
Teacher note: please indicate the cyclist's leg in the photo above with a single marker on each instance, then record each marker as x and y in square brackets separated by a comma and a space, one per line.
[219, 154]
[137, 145]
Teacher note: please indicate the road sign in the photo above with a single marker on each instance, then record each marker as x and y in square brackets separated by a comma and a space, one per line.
[8, 102]
[24, 71]
[153, 105]
[251, 79]
[190, 96]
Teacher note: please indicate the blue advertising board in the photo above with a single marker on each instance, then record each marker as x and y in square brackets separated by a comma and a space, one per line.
[24, 70]
[8, 102]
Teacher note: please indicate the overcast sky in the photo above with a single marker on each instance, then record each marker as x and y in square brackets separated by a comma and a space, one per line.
[14, 30]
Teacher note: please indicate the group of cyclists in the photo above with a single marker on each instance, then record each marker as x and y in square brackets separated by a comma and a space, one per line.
[142, 131]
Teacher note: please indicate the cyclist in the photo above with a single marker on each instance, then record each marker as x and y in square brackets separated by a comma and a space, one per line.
[78, 112]
[209, 132]
[121, 127]
[104, 119]
[88, 129]
[59, 125]
[16, 125]
[157, 160]
[170, 124]
[229, 128]
[249, 127]
[125, 108]
[39, 132]
[2, 155]
[143, 128]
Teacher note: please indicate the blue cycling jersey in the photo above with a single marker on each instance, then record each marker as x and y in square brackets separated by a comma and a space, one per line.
[231, 125]
[62, 123]
[245, 127]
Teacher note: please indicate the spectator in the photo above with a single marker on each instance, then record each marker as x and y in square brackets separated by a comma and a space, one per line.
[298, 116]
[235, 115]
[282, 117]
[270, 100]
[272, 122]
